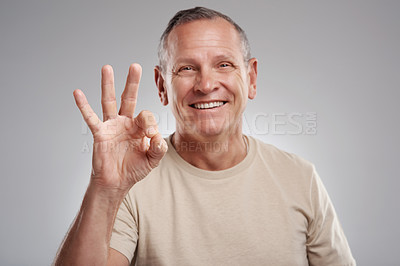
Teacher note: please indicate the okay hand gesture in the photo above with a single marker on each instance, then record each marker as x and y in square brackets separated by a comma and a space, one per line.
[125, 148]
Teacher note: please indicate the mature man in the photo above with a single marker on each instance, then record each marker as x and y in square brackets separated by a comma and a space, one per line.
[217, 197]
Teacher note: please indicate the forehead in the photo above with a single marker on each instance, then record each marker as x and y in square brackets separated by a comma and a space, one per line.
[206, 35]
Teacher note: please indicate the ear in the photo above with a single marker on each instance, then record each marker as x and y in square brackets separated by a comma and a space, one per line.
[162, 92]
[252, 72]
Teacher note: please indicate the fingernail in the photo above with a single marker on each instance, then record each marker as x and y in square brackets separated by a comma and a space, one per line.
[164, 145]
[151, 131]
[159, 146]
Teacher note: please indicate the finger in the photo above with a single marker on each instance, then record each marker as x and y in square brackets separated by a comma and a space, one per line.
[146, 124]
[90, 117]
[108, 102]
[144, 144]
[158, 148]
[129, 96]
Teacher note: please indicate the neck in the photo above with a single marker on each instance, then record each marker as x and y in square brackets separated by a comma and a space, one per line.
[213, 154]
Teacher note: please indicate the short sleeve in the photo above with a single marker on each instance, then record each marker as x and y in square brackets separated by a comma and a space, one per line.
[326, 242]
[125, 234]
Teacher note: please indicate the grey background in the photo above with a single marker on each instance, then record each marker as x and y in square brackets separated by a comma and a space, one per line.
[339, 59]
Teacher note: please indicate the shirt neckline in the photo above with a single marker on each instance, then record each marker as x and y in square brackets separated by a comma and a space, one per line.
[214, 175]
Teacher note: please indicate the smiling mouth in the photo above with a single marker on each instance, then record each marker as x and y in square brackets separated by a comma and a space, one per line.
[208, 105]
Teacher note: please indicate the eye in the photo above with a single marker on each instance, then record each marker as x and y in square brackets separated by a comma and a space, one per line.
[186, 68]
[224, 65]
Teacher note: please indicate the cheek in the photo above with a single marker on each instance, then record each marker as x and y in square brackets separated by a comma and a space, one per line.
[180, 88]
[241, 88]
[184, 83]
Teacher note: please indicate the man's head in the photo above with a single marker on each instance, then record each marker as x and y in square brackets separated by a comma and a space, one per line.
[206, 76]
[193, 14]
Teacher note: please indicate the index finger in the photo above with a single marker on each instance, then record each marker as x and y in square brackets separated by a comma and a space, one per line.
[129, 96]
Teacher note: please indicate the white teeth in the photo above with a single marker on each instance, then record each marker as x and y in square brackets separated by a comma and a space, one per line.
[207, 105]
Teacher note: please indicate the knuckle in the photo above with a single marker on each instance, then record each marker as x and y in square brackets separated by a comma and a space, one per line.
[109, 99]
[154, 162]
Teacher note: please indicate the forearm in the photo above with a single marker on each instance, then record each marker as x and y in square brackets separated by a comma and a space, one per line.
[87, 241]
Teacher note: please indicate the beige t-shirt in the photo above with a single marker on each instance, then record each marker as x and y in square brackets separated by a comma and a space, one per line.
[270, 209]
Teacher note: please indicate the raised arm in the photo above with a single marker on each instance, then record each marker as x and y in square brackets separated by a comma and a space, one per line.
[122, 156]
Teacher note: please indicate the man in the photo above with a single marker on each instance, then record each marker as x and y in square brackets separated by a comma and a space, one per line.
[217, 197]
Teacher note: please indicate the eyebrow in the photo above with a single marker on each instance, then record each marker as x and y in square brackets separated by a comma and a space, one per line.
[224, 57]
[220, 57]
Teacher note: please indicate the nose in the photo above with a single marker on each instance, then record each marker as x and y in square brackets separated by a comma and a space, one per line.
[205, 81]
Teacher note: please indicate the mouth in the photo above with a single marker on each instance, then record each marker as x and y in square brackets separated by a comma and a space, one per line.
[208, 105]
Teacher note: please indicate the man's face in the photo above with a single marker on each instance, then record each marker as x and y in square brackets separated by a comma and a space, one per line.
[206, 79]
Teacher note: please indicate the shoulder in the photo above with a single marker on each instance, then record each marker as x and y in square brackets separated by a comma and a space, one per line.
[276, 154]
[282, 161]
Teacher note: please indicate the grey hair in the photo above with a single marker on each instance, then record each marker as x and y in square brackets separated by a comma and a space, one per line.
[193, 14]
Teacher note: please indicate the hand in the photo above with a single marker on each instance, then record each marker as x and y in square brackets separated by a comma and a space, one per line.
[122, 154]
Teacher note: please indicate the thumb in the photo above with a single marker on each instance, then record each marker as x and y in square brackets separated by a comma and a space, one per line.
[158, 148]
